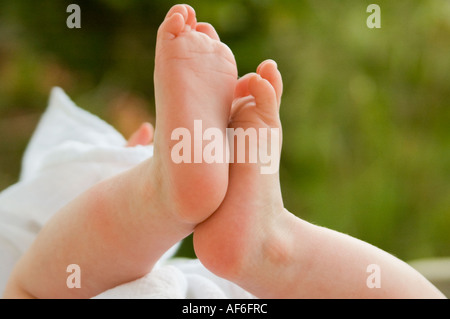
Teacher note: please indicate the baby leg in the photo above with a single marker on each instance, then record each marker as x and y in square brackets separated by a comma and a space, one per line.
[256, 243]
[117, 230]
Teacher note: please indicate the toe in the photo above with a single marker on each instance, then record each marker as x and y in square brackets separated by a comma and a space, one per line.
[179, 8]
[242, 95]
[172, 26]
[268, 70]
[207, 29]
[264, 94]
[191, 19]
[241, 89]
[180, 17]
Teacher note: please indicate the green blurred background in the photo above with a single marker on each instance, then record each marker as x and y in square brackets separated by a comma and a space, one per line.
[365, 112]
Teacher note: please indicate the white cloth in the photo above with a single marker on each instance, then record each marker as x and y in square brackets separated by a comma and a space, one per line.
[70, 151]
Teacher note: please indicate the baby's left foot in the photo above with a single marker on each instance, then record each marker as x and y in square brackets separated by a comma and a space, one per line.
[195, 76]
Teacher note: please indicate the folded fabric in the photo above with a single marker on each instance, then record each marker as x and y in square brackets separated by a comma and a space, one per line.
[71, 150]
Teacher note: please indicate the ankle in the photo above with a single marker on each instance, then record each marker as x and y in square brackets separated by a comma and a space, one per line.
[185, 200]
[201, 199]
[266, 267]
[259, 248]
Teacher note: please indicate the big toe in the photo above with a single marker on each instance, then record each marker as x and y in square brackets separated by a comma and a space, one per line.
[268, 70]
[180, 17]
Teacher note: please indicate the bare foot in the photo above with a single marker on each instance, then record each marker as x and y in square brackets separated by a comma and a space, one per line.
[195, 77]
[156, 203]
[242, 238]
[253, 241]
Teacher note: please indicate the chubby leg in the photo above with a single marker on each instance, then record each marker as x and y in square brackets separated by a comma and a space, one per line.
[255, 242]
[117, 230]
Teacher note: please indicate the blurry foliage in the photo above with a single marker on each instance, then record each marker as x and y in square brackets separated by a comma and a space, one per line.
[365, 113]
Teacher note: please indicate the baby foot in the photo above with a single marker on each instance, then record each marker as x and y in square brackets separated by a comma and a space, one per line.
[195, 76]
[242, 238]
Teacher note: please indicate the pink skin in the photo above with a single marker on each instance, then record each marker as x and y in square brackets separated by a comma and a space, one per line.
[142, 136]
[195, 76]
[155, 204]
[245, 242]
[119, 228]
[255, 242]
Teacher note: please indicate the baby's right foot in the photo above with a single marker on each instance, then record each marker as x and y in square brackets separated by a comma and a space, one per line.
[195, 76]
[246, 238]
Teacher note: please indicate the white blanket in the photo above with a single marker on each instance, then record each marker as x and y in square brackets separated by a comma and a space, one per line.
[70, 151]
